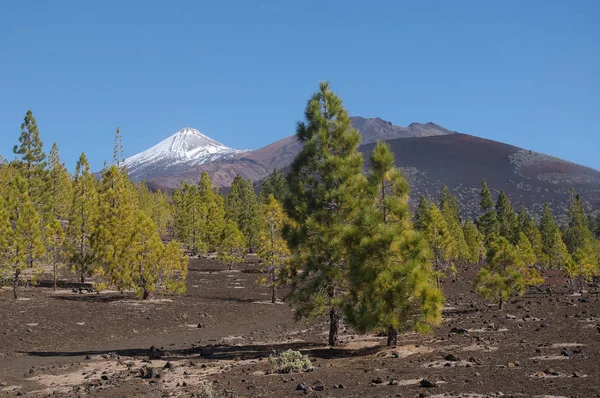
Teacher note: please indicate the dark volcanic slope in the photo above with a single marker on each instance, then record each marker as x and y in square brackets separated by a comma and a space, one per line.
[462, 161]
[432, 156]
[257, 164]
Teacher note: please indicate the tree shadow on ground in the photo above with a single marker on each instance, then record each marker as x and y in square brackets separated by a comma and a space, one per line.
[61, 284]
[234, 299]
[93, 298]
[224, 352]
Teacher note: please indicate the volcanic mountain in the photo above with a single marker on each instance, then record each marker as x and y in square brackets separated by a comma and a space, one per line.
[429, 155]
[165, 165]
[180, 152]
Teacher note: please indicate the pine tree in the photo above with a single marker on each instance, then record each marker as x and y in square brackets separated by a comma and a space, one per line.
[213, 218]
[526, 224]
[391, 282]
[147, 269]
[242, 207]
[60, 193]
[422, 214]
[118, 158]
[535, 238]
[548, 231]
[320, 204]
[442, 245]
[577, 234]
[54, 242]
[558, 257]
[174, 268]
[6, 238]
[531, 275]
[32, 163]
[158, 206]
[30, 148]
[474, 241]
[507, 218]
[110, 239]
[449, 205]
[272, 248]
[584, 265]
[488, 222]
[190, 215]
[501, 277]
[23, 245]
[597, 228]
[82, 219]
[450, 211]
[276, 185]
[232, 246]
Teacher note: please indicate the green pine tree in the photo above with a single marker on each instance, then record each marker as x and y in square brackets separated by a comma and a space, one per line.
[320, 205]
[213, 218]
[558, 257]
[242, 207]
[529, 260]
[584, 264]
[54, 242]
[422, 214]
[474, 241]
[23, 244]
[450, 211]
[548, 231]
[276, 185]
[488, 222]
[60, 193]
[577, 234]
[82, 219]
[190, 214]
[110, 239]
[150, 266]
[32, 163]
[507, 218]
[443, 247]
[232, 246]
[501, 277]
[392, 285]
[272, 248]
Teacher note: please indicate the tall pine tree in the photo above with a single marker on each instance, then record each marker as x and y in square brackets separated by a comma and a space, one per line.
[82, 219]
[60, 193]
[391, 282]
[272, 248]
[488, 221]
[320, 205]
[242, 207]
[507, 218]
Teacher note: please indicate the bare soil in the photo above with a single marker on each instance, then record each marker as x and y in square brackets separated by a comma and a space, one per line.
[222, 331]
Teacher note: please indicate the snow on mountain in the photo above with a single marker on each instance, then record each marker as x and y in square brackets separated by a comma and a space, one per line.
[180, 152]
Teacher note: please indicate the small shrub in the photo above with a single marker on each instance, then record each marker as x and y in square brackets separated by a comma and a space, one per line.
[290, 361]
[205, 391]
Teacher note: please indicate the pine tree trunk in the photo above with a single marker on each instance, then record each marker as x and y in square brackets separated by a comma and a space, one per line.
[273, 298]
[82, 276]
[334, 322]
[392, 336]
[146, 294]
[15, 281]
[500, 304]
[54, 276]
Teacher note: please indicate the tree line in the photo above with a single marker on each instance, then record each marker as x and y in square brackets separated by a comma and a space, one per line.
[341, 239]
[108, 228]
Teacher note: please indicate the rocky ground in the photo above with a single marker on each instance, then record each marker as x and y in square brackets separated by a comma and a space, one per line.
[216, 340]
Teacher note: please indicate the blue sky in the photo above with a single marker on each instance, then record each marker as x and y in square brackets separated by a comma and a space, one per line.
[521, 72]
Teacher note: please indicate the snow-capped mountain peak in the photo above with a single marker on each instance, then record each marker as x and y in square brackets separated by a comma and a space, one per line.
[180, 152]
